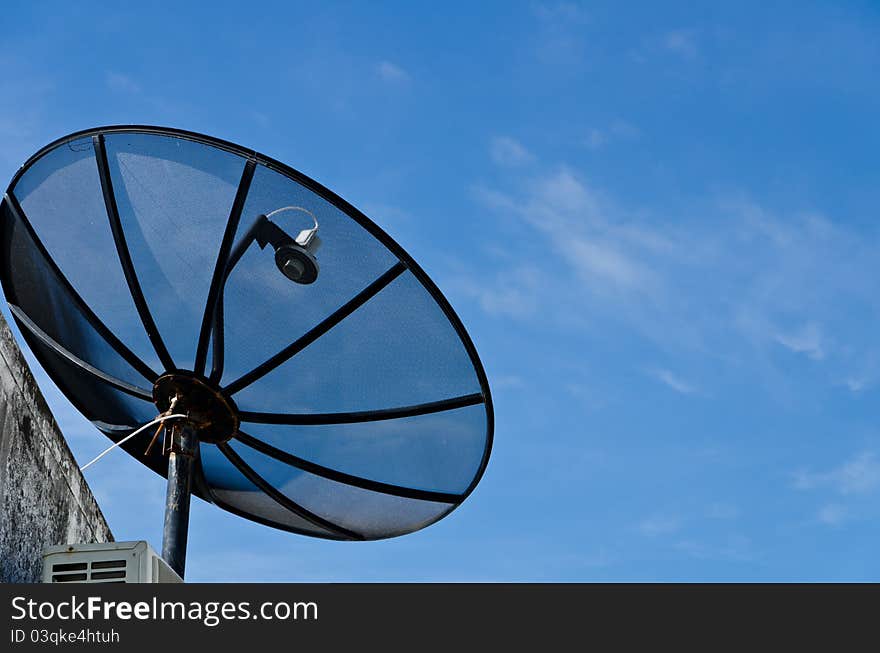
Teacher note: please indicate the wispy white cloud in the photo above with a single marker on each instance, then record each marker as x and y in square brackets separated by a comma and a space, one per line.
[512, 293]
[569, 213]
[559, 37]
[122, 83]
[722, 511]
[391, 72]
[671, 380]
[26, 93]
[562, 209]
[568, 12]
[506, 151]
[657, 525]
[853, 488]
[589, 396]
[603, 261]
[832, 514]
[805, 340]
[562, 196]
[856, 383]
[860, 475]
[681, 42]
[595, 138]
[130, 88]
[727, 278]
[505, 381]
[619, 130]
[387, 214]
[734, 547]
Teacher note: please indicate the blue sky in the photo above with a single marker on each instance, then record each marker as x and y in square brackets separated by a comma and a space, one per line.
[658, 223]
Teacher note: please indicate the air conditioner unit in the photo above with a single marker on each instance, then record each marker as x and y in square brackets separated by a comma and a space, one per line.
[109, 562]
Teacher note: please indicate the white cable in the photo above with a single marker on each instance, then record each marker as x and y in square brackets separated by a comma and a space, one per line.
[294, 208]
[129, 437]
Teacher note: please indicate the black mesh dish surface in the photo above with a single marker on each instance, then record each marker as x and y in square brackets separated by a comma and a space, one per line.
[134, 252]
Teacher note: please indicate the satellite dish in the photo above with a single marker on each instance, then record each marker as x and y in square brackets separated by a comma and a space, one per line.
[328, 391]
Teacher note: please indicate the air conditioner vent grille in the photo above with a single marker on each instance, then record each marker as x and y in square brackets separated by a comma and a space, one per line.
[70, 566]
[95, 571]
[106, 562]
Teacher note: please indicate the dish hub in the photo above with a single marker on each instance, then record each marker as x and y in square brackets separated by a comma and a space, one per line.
[212, 415]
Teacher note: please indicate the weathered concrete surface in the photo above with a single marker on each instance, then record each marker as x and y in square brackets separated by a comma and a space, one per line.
[44, 499]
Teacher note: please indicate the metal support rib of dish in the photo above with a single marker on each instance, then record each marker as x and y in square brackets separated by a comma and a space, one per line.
[119, 384]
[282, 499]
[115, 343]
[303, 419]
[218, 279]
[342, 477]
[134, 286]
[234, 256]
[316, 332]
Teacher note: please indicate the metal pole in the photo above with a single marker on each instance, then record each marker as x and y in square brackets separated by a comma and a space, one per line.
[181, 460]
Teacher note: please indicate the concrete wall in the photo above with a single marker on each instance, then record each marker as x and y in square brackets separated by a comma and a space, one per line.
[44, 499]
